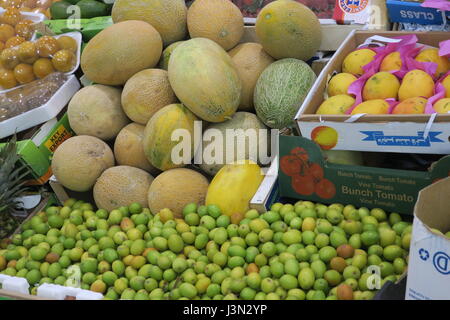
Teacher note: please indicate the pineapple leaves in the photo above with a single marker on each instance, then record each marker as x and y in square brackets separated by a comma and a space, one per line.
[12, 177]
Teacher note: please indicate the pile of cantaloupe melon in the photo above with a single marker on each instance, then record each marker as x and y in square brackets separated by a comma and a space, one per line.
[162, 67]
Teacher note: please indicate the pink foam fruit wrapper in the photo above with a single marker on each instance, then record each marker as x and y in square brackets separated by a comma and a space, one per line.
[444, 48]
[443, 5]
[412, 64]
[439, 94]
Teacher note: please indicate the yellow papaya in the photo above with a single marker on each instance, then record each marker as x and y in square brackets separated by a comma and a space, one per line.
[234, 186]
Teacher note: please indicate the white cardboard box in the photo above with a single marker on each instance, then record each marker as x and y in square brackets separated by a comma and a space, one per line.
[429, 259]
[406, 133]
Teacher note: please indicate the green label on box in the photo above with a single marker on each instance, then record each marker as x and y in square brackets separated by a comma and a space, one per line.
[60, 133]
[304, 174]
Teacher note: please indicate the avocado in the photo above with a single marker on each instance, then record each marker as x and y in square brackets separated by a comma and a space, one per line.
[58, 10]
[92, 8]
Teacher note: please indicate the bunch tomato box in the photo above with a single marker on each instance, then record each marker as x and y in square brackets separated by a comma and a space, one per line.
[305, 174]
[429, 257]
[421, 133]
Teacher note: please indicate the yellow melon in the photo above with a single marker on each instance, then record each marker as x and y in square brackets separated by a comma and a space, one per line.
[96, 111]
[129, 148]
[175, 188]
[80, 160]
[165, 57]
[250, 60]
[121, 186]
[218, 20]
[145, 93]
[166, 16]
[288, 29]
[118, 52]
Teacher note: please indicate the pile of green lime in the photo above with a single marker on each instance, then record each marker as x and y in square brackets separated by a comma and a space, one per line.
[295, 252]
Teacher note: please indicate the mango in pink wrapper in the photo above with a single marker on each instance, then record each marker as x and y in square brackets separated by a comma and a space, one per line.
[442, 106]
[377, 106]
[416, 83]
[432, 55]
[446, 84]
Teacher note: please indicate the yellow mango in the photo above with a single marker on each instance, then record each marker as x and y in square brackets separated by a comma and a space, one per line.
[442, 106]
[446, 84]
[377, 106]
[336, 104]
[234, 186]
[391, 62]
[416, 83]
[339, 84]
[415, 105]
[354, 62]
[432, 55]
[381, 85]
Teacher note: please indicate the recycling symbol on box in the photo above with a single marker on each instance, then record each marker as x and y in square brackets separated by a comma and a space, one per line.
[424, 254]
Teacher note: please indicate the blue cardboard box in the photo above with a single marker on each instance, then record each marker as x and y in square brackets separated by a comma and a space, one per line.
[412, 12]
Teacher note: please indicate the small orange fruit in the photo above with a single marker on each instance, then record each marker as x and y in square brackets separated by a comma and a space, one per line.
[43, 67]
[27, 52]
[64, 60]
[14, 42]
[24, 73]
[47, 46]
[6, 32]
[66, 42]
[7, 79]
[9, 58]
[25, 29]
[11, 16]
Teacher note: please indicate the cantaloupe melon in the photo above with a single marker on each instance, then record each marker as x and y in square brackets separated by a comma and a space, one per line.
[218, 20]
[145, 93]
[96, 111]
[250, 60]
[165, 57]
[80, 160]
[230, 146]
[205, 79]
[166, 16]
[129, 148]
[288, 29]
[120, 186]
[158, 143]
[174, 189]
[280, 91]
[118, 52]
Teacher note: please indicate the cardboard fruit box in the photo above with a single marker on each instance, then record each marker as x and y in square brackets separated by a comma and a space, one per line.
[389, 189]
[422, 133]
[429, 258]
[413, 12]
